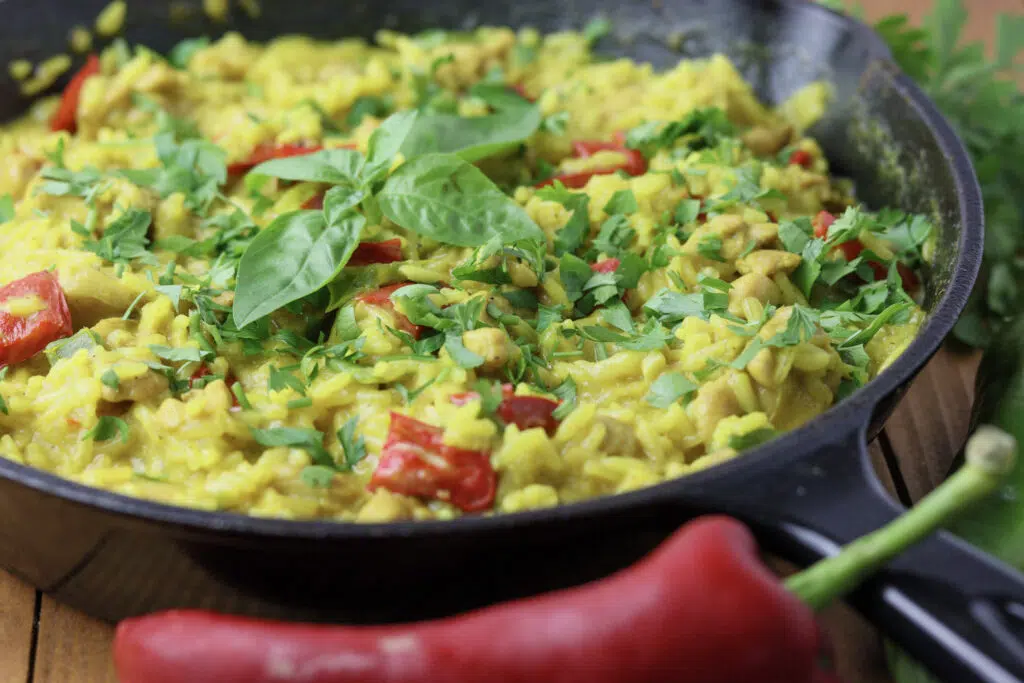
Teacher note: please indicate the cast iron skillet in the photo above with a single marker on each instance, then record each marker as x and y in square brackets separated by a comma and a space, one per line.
[952, 607]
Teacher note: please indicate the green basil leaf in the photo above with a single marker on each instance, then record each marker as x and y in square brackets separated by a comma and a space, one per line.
[385, 144]
[442, 197]
[296, 255]
[669, 388]
[334, 166]
[475, 138]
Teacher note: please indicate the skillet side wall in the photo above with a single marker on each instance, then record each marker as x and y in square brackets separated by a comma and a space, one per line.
[112, 565]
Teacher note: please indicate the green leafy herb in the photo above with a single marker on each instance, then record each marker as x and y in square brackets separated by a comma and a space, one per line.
[239, 393]
[334, 166]
[296, 255]
[309, 440]
[566, 393]
[194, 167]
[106, 428]
[279, 380]
[669, 388]
[474, 138]
[317, 476]
[622, 202]
[69, 346]
[687, 211]
[180, 355]
[125, 239]
[753, 439]
[442, 197]
[353, 447]
[111, 379]
[700, 129]
[182, 53]
[367, 106]
[6, 208]
[572, 235]
[710, 247]
[596, 29]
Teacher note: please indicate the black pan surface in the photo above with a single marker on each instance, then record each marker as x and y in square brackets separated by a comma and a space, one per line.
[804, 493]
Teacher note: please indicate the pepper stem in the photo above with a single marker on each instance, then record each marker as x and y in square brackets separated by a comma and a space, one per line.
[990, 455]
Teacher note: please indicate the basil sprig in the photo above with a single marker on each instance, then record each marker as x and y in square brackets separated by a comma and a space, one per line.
[439, 196]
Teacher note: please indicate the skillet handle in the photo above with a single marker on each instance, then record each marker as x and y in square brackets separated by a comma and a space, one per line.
[957, 610]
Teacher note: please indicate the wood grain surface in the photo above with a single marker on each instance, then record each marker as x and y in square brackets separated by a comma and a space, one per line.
[41, 641]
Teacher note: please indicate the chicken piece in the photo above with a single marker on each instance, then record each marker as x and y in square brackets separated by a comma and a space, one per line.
[491, 344]
[768, 140]
[141, 387]
[619, 438]
[768, 262]
[714, 401]
[16, 172]
[756, 286]
[93, 294]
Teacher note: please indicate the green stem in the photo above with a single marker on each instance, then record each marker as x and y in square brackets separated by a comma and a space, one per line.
[990, 455]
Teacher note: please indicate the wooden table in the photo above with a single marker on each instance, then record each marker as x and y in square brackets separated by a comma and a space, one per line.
[42, 641]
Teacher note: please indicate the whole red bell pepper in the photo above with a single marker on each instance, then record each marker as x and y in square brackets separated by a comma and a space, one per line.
[23, 336]
[64, 117]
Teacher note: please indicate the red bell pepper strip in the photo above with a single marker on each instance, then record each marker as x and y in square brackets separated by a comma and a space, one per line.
[701, 608]
[368, 253]
[634, 165]
[800, 157]
[416, 462]
[22, 337]
[64, 117]
[382, 299]
[852, 249]
[525, 412]
[266, 152]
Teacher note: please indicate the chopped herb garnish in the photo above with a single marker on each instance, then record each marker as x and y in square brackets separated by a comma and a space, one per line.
[752, 439]
[106, 428]
[669, 388]
[111, 379]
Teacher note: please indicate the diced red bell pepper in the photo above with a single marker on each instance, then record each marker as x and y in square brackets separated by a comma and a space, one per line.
[608, 265]
[822, 222]
[64, 117]
[22, 337]
[800, 157]
[415, 462]
[525, 412]
[382, 298]
[266, 152]
[368, 253]
[634, 165]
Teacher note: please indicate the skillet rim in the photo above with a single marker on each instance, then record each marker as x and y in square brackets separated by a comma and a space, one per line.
[843, 418]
